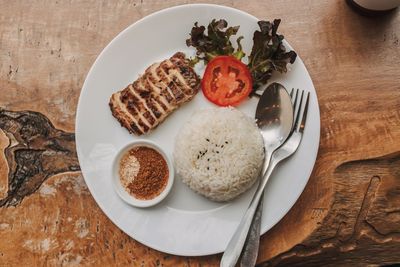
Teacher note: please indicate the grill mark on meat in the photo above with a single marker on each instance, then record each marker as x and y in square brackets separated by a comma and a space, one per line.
[157, 81]
[168, 71]
[135, 129]
[149, 117]
[133, 99]
[143, 125]
[156, 95]
[126, 119]
[176, 91]
[148, 101]
[155, 99]
[133, 107]
[164, 86]
[176, 84]
[159, 89]
[186, 72]
[163, 83]
[188, 75]
[140, 106]
[178, 79]
[178, 94]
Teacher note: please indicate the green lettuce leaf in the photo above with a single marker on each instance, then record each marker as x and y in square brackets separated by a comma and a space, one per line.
[268, 53]
[215, 43]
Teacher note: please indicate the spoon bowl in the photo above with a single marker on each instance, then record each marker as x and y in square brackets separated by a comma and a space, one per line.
[274, 116]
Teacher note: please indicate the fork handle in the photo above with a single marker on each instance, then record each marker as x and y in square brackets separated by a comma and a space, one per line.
[235, 245]
[250, 248]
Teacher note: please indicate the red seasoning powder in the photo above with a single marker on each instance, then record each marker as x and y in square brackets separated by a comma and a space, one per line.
[143, 172]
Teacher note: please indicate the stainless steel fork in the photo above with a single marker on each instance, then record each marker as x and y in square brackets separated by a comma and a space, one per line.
[250, 251]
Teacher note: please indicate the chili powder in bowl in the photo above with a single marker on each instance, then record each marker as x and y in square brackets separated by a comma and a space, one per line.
[142, 174]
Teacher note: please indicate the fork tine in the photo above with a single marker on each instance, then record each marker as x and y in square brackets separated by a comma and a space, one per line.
[295, 98]
[294, 104]
[291, 93]
[296, 122]
[303, 120]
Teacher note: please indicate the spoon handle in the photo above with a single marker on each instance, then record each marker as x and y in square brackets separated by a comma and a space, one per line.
[235, 245]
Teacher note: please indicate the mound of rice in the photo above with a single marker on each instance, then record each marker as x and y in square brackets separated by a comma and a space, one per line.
[219, 153]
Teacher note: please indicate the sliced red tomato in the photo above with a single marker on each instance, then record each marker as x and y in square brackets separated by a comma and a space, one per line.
[226, 81]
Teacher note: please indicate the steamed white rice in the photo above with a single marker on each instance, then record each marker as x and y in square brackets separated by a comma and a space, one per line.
[219, 153]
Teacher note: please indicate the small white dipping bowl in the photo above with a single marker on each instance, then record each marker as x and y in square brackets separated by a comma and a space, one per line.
[119, 188]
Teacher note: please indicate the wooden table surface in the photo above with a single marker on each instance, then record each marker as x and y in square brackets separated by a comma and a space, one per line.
[349, 213]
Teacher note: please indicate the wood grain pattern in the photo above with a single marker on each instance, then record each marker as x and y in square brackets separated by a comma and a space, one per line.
[36, 151]
[348, 213]
[362, 224]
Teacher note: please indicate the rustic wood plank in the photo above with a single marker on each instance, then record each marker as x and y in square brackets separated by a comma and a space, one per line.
[363, 220]
[348, 211]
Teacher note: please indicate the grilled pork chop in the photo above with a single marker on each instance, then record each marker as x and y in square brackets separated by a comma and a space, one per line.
[164, 86]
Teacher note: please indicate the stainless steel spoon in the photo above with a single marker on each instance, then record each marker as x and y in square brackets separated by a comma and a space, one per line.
[274, 115]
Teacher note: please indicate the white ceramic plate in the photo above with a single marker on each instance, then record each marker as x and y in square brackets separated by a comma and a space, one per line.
[185, 223]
